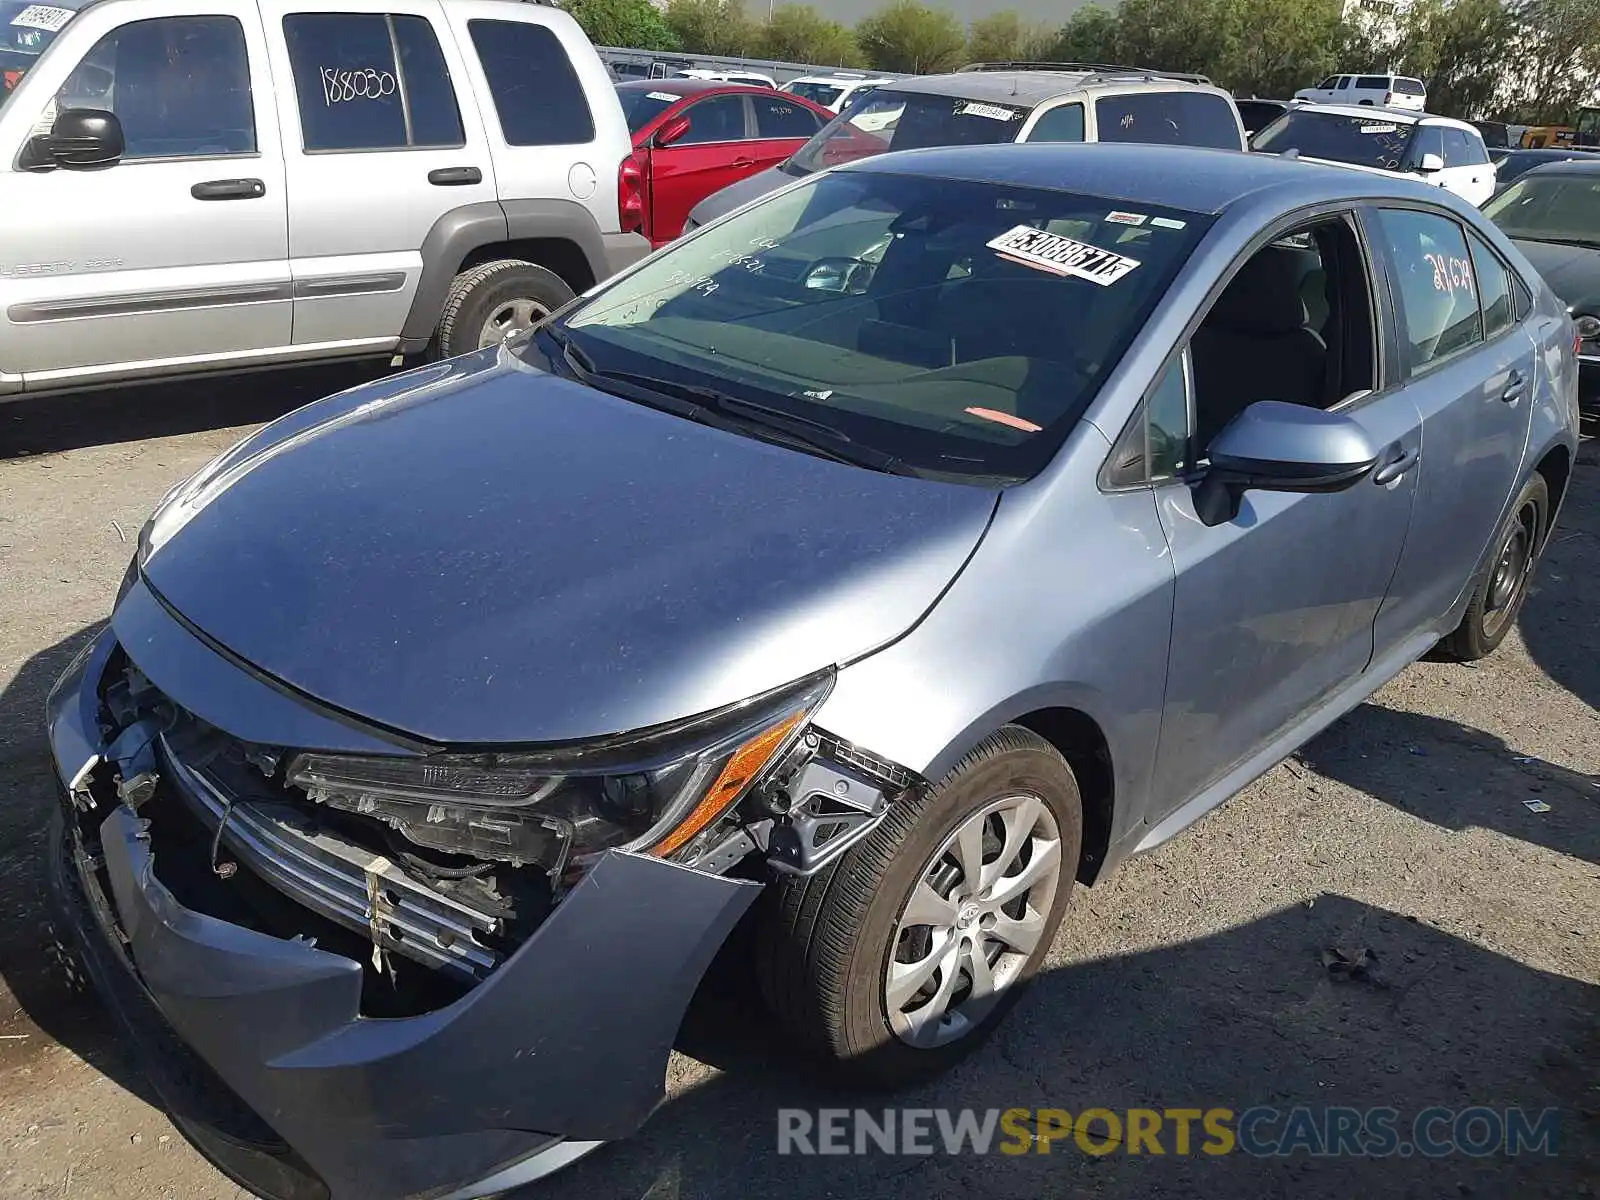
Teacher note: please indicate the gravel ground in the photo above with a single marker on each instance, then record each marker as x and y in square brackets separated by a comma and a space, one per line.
[1193, 979]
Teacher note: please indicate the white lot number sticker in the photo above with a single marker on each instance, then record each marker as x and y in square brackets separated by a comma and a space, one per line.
[43, 16]
[1380, 129]
[1062, 255]
[993, 111]
[668, 97]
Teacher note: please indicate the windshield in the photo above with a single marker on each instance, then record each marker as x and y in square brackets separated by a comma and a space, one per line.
[640, 107]
[1361, 141]
[25, 30]
[1550, 208]
[960, 327]
[894, 120]
[818, 93]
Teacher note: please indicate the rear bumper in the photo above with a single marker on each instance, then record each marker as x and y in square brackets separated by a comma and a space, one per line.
[562, 1047]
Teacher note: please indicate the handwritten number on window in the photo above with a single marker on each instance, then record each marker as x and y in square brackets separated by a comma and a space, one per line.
[1450, 275]
[340, 86]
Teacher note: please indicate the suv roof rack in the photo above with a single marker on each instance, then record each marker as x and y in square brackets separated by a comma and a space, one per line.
[1098, 70]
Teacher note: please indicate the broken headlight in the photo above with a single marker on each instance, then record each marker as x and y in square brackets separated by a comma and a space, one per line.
[654, 791]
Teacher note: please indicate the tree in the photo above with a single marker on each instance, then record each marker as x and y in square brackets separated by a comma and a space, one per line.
[912, 38]
[712, 26]
[1005, 37]
[1557, 64]
[1461, 50]
[1281, 46]
[632, 23]
[799, 33]
[1092, 35]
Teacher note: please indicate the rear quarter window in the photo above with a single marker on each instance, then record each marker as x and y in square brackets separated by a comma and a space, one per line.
[537, 95]
[1168, 119]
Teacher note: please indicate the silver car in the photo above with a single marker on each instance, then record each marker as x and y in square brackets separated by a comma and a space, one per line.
[901, 552]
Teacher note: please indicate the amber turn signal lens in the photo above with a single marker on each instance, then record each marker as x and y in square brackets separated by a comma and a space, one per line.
[747, 762]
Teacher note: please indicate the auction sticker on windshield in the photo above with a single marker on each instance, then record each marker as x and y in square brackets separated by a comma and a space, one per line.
[993, 111]
[1061, 255]
[43, 16]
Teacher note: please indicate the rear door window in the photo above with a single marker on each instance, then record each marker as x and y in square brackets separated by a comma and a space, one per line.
[780, 118]
[1438, 287]
[1494, 288]
[371, 81]
[1168, 119]
[1063, 123]
[714, 119]
[536, 92]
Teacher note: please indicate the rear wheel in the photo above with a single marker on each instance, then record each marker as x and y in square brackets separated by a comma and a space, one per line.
[491, 302]
[900, 959]
[1503, 585]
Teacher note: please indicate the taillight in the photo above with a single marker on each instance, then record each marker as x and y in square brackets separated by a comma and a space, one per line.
[630, 195]
[1388, 99]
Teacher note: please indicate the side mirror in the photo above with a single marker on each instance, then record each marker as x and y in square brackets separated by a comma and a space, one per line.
[1431, 163]
[672, 131]
[85, 138]
[1277, 447]
[847, 276]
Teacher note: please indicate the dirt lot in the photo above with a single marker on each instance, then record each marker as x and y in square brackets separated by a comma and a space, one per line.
[1194, 978]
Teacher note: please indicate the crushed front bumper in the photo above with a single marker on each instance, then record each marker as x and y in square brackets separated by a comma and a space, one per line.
[563, 1046]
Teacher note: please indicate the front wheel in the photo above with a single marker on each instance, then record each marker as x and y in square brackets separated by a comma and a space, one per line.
[901, 958]
[1503, 585]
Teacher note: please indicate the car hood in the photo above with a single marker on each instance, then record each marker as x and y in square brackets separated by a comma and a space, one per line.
[719, 204]
[1573, 272]
[481, 552]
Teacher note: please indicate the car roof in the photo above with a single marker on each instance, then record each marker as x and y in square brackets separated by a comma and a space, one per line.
[1035, 87]
[1587, 165]
[686, 87]
[1408, 116]
[1181, 177]
[847, 78]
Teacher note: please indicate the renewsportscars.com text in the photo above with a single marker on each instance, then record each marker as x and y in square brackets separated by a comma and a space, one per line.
[1260, 1131]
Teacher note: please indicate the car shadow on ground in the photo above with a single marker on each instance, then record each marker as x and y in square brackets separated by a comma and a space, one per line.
[49, 424]
[1559, 624]
[1249, 1017]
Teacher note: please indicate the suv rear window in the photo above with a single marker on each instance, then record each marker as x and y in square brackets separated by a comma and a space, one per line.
[895, 120]
[536, 92]
[349, 69]
[1168, 119]
[1409, 87]
[1377, 141]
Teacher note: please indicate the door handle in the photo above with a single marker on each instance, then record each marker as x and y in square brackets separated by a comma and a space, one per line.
[744, 162]
[455, 176]
[1515, 387]
[229, 189]
[1396, 463]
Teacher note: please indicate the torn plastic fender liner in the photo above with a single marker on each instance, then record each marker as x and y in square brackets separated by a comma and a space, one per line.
[570, 1036]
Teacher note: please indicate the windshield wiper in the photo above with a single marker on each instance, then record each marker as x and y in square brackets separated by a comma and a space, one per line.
[1586, 243]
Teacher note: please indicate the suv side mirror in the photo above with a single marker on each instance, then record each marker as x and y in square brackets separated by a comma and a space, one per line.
[1277, 447]
[672, 131]
[1431, 163]
[81, 139]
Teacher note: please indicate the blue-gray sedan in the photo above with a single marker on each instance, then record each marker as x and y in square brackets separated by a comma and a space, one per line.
[909, 547]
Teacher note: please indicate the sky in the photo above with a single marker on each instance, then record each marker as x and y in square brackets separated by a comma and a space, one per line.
[1048, 12]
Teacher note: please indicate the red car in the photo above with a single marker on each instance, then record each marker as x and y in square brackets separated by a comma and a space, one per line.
[692, 137]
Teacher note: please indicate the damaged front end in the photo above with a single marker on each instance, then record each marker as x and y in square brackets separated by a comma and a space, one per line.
[530, 925]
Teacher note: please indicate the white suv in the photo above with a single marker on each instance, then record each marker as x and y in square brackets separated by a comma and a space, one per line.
[999, 103]
[195, 187]
[1439, 150]
[835, 91]
[1377, 91]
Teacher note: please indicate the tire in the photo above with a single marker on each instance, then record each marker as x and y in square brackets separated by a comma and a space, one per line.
[506, 286]
[1502, 585]
[1368, 103]
[826, 942]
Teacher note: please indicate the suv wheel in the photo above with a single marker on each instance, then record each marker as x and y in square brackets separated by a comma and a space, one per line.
[493, 301]
[1503, 586]
[902, 957]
